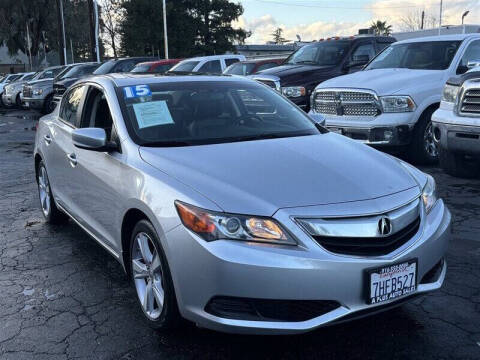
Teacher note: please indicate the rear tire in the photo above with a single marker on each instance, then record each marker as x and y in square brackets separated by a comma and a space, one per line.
[151, 278]
[423, 149]
[457, 165]
[47, 203]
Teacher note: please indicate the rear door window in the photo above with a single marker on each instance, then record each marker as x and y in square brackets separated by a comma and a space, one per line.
[211, 67]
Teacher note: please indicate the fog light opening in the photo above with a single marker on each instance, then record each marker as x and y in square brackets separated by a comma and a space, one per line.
[388, 135]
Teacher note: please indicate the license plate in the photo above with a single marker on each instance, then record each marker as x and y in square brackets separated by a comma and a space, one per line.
[336, 130]
[392, 282]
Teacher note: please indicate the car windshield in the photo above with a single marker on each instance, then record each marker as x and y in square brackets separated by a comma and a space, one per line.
[428, 55]
[208, 112]
[13, 78]
[105, 67]
[28, 77]
[141, 68]
[49, 73]
[185, 66]
[240, 69]
[78, 71]
[321, 54]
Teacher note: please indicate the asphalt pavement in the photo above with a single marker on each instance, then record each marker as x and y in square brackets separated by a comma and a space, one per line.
[63, 297]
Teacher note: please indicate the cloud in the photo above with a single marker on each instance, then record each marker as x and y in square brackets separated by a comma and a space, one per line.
[396, 13]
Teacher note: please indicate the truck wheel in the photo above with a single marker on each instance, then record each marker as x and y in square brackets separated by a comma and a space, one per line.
[423, 149]
[18, 101]
[457, 165]
[48, 105]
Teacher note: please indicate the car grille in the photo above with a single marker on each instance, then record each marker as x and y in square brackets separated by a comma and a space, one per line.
[58, 90]
[268, 309]
[373, 246]
[470, 103]
[27, 91]
[348, 103]
[369, 235]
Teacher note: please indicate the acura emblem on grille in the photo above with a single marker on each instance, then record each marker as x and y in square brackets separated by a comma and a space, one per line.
[384, 226]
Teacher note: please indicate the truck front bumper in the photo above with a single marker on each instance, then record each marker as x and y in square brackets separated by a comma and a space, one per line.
[393, 129]
[456, 134]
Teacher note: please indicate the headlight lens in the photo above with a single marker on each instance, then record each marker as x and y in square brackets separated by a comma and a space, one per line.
[429, 194]
[37, 92]
[210, 226]
[294, 91]
[397, 104]
[450, 93]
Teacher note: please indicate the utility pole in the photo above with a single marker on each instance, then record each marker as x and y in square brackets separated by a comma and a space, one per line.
[45, 47]
[440, 19]
[97, 50]
[91, 16]
[62, 52]
[71, 49]
[29, 46]
[165, 37]
[423, 19]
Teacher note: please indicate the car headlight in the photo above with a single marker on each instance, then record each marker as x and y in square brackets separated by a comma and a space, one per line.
[37, 92]
[397, 104]
[293, 91]
[211, 226]
[450, 93]
[429, 194]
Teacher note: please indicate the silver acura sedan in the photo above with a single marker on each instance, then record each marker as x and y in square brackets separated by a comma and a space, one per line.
[230, 207]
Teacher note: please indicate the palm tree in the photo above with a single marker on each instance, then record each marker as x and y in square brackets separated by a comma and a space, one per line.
[381, 28]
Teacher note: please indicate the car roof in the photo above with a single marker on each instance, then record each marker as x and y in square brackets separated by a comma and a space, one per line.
[453, 37]
[264, 60]
[215, 57]
[132, 79]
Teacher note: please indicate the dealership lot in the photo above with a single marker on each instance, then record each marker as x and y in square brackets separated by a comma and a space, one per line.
[62, 296]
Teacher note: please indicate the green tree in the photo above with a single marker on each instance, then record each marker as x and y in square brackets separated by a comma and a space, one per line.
[277, 36]
[195, 27]
[381, 28]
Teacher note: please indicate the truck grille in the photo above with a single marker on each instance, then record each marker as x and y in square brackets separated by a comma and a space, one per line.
[27, 91]
[470, 103]
[346, 102]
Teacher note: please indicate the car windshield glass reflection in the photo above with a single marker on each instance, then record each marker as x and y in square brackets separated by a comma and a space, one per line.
[433, 55]
[320, 54]
[194, 113]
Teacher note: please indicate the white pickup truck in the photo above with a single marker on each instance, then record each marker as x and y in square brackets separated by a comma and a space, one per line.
[456, 125]
[390, 103]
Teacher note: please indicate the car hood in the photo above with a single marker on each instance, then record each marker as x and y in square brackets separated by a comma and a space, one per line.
[260, 177]
[385, 81]
[40, 83]
[66, 82]
[294, 72]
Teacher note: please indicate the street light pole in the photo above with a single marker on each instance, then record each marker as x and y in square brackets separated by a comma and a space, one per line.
[63, 33]
[165, 36]
[463, 17]
[440, 19]
[96, 31]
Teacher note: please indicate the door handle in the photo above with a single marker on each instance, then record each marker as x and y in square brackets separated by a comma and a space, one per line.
[73, 159]
[47, 139]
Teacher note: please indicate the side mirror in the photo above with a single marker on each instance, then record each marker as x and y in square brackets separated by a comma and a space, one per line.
[472, 64]
[94, 139]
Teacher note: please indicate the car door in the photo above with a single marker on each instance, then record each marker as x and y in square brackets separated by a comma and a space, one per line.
[101, 174]
[59, 151]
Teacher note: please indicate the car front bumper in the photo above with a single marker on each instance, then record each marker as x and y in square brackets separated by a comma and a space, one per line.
[387, 129]
[456, 134]
[203, 270]
[33, 103]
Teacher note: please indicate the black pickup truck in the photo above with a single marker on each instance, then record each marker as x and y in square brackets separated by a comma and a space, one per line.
[303, 70]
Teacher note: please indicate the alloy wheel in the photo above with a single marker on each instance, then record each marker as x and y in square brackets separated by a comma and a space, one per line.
[44, 191]
[147, 275]
[429, 142]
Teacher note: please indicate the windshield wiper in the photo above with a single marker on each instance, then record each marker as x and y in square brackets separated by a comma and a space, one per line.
[165, 143]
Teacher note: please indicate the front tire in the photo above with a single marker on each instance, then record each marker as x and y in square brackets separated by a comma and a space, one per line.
[151, 278]
[457, 165]
[423, 149]
[48, 105]
[49, 210]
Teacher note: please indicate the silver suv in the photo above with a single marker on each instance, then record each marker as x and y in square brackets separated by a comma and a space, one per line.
[228, 206]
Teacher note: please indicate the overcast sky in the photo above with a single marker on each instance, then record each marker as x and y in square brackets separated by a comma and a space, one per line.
[314, 19]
